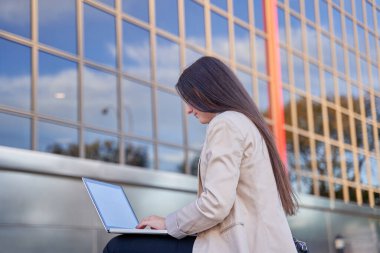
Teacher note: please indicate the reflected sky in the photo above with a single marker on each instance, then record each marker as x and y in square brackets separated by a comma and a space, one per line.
[315, 85]
[220, 3]
[219, 31]
[15, 131]
[299, 73]
[310, 10]
[57, 24]
[263, 96]
[369, 13]
[323, 15]
[99, 36]
[15, 8]
[295, 5]
[57, 87]
[350, 38]
[361, 38]
[352, 65]
[241, 10]
[296, 32]
[167, 62]
[259, 14]
[339, 57]
[194, 23]
[284, 66]
[169, 118]
[359, 10]
[15, 74]
[137, 109]
[242, 49]
[326, 50]
[246, 80]
[196, 132]
[136, 51]
[191, 56]
[167, 20]
[57, 139]
[260, 54]
[337, 24]
[329, 86]
[281, 25]
[137, 8]
[99, 99]
[171, 159]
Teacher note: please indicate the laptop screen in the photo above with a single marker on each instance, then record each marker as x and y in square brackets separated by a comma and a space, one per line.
[112, 204]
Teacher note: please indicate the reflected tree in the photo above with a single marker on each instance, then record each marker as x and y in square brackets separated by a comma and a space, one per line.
[136, 155]
[107, 151]
[60, 149]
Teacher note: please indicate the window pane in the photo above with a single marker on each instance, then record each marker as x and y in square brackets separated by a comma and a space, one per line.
[169, 117]
[324, 15]
[281, 25]
[99, 36]
[312, 41]
[15, 17]
[57, 139]
[324, 189]
[171, 159]
[352, 60]
[136, 51]
[359, 10]
[329, 85]
[284, 66]
[355, 99]
[318, 118]
[375, 78]
[343, 96]
[259, 14]
[337, 24]
[374, 172]
[307, 185]
[364, 72]
[99, 99]
[241, 9]
[338, 191]
[326, 49]
[370, 21]
[359, 133]
[370, 137]
[346, 128]
[339, 57]
[290, 150]
[57, 87]
[348, 6]
[367, 105]
[220, 3]
[101, 147]
[220, 43]
[299, 73]
[296, 37]
[310, 10]
[377, 108]
[263, 97]
[295, 5]
[167, 15]
[350, 37]
[167, 62]
[350, 165]
[108, 2]
[196, 132]
[137, 8]
[315, 85]
[335, 161]
[305, 155]
[361, 39]
[15, 131]
[372, 46]
[246, 80]
[321, 157]
[302, 112]
[363, 169]
[261, 61]
[242, 49]
[139, 153]
[137, 109]
[195, 23]
[15, 75]
[57, 24]
[332, 123]
[287, 106]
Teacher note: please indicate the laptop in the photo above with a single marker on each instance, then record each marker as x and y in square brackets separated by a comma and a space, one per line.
[114, 209]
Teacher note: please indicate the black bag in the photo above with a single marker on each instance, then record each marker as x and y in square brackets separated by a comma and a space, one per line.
[300, 246]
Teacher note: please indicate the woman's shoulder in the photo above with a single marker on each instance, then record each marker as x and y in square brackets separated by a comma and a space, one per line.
[237, 119]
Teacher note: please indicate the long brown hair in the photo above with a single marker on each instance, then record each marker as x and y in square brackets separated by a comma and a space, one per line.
[210, 86]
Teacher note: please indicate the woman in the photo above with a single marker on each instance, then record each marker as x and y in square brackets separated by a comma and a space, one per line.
[244, 193]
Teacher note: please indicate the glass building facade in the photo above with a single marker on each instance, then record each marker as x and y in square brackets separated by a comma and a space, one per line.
[95, 80]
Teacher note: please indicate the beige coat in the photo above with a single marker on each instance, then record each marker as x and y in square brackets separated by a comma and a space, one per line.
[238, 208]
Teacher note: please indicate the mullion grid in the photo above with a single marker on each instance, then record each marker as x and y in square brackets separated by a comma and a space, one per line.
[335, 106]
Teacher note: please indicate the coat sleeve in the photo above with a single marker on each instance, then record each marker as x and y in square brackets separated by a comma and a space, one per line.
[224, 151]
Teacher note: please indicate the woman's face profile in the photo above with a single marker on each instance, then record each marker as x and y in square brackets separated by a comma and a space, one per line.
[203, 117]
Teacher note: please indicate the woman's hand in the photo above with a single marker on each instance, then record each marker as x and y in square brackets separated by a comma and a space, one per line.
[153, 221]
